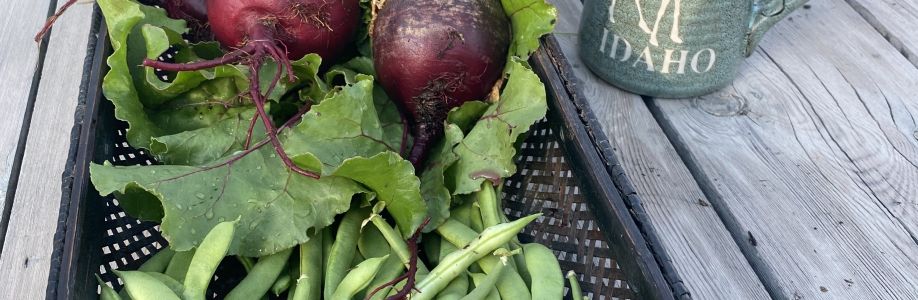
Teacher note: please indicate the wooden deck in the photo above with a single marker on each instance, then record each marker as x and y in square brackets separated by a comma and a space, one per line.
[799, 181]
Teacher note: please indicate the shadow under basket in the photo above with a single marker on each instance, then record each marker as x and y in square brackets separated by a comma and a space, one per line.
[592, 220]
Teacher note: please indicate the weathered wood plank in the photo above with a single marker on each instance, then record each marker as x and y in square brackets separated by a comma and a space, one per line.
[27, 250]
[19, 20]
[706, 257]
[812, 154]
[897, 20]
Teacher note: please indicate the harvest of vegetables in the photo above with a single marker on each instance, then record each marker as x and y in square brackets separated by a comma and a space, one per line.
[347, 149]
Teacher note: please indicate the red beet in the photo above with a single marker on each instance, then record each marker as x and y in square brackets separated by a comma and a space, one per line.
[281, 30]
[188, 10]
[324, 27]
[433, 55]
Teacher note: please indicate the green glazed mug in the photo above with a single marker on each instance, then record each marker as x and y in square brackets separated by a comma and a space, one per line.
[674, 48]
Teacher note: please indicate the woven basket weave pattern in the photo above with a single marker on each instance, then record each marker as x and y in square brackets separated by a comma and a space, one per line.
[543, 184]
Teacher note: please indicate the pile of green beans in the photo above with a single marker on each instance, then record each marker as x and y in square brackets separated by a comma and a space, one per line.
[472, 255]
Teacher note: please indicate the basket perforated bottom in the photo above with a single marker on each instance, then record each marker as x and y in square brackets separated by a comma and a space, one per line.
[544, 183]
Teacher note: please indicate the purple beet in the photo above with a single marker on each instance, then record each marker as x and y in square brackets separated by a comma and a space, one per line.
[188, 10]
[433, 55]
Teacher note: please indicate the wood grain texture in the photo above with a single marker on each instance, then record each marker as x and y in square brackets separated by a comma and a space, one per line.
[27, 249]
[813, 154]
[897, 20]
[19, 21]
[705, 255]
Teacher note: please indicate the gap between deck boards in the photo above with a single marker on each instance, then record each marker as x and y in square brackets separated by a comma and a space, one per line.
[24, 131]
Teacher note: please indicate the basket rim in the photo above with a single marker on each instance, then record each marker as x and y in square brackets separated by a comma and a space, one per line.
[76, 169]
[652, 265]
[614, 168]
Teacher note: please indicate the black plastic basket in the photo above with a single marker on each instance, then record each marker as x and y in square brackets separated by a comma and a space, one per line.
[592, 218]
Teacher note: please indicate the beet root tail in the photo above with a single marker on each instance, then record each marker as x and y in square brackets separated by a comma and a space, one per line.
[409, 276]
[53, 18]
[424, 137]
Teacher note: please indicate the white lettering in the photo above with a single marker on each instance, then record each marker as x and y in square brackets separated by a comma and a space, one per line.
[612, 12]
[668, 61]
[711, 60]
[647, 59]
[626, 54]
[602, 45]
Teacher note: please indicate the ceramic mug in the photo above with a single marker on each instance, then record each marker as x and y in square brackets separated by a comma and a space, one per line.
[674, 48]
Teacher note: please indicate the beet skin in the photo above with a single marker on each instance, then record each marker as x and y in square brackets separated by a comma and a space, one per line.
[324, 27]
[188, 10]
[433, 55]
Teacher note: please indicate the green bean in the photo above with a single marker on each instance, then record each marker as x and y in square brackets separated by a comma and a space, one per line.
[511, 285]
[261, 278]
[392, 268]
[486, 286]
[547, 279]
[358, 278]
[487, 204]
[108, 293]
[170, 282]
[492, 211]
[479, 279]
[475, 218]
[456, 289]
[328, 240]
[576, 292]
[456, 263]
[396, 242]
[210, 253]
[178, 265]
[309, 282]
[372, 243]
[141, 286]
[282, 284]
[246, 262]
[456, 233]
[343, 250]
[446, 248]
[519, 263]
[462, 213]
[159, 262]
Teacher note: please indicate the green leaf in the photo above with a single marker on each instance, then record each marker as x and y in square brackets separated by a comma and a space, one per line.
[209, 144]
[275, 207]
[392, 179]
[389, 116]
[487, 151]
[341, 127]
[362, 40]
[433, 180]
[466, 115]
[436, 180]
[531, 19]
[193, 109]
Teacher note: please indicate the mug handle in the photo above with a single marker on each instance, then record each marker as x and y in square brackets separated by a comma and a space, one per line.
[765, 14]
